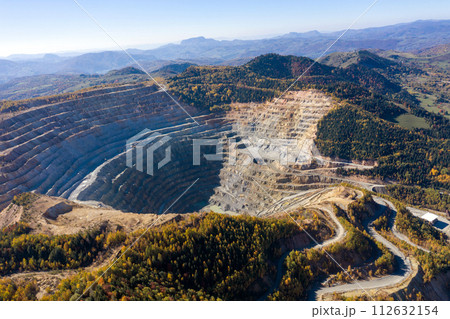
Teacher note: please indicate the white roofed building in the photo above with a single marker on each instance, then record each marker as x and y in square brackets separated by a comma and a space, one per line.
[429, 217]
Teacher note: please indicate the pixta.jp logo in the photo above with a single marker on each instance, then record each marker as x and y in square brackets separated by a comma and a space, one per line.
[144, 144]
[246, 151]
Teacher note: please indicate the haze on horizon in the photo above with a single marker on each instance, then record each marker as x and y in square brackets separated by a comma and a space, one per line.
[31, 27]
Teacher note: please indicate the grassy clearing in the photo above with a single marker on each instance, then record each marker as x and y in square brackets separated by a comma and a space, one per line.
[411, 121]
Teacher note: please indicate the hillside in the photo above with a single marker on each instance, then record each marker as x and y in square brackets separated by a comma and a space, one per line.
[213, 263]
[279, 67]
[364, 58]
[172, 69]
[266, 76]
[437, 50]
[425, 75]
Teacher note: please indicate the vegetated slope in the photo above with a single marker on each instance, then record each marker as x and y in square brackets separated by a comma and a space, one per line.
[350, 133]
[435, 56]
[199, 257]
[423, 78]
[434, 51]
[427, 78]
[268, 76]
[363, 57]
[21, 251]
[428, 245]
[279, 66]
[303, 268]
[216, 257]
[422, 197]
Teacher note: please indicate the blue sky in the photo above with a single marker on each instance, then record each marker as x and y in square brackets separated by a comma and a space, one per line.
[30, 26]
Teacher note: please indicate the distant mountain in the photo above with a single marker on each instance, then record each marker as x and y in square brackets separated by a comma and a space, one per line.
[442, 49]
[437, 56]
[279, 67]
[172, 69]
[363, 57]
[412, 36]
[52, 84]
[125, 71]
[401, 37]
[100, 62]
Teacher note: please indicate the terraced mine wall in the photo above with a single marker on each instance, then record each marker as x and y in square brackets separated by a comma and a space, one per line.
[129, 189]
[51, 148]
[283, 134]
[77, 149]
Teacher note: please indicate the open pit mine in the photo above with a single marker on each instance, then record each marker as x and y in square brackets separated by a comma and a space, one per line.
[77, 150]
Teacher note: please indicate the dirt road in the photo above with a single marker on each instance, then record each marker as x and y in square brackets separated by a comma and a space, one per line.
[404, 266]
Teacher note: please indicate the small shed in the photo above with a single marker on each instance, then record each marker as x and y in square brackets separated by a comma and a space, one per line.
[429, 217]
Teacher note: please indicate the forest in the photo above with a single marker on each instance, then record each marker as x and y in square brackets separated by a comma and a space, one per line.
[347, 132]
[208, 257]
[204, 257]
[21, 251]
[422, 197]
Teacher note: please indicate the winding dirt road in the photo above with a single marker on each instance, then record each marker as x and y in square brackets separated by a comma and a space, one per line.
[404, 265]
[396, 233]
[340, 234]
[404, 270]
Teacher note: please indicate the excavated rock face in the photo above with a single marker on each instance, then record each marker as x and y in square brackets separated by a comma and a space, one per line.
[78, 149]
[59, 209]
[282, 133]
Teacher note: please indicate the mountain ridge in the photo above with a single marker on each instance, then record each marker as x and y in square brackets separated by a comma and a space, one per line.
[416, 35]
